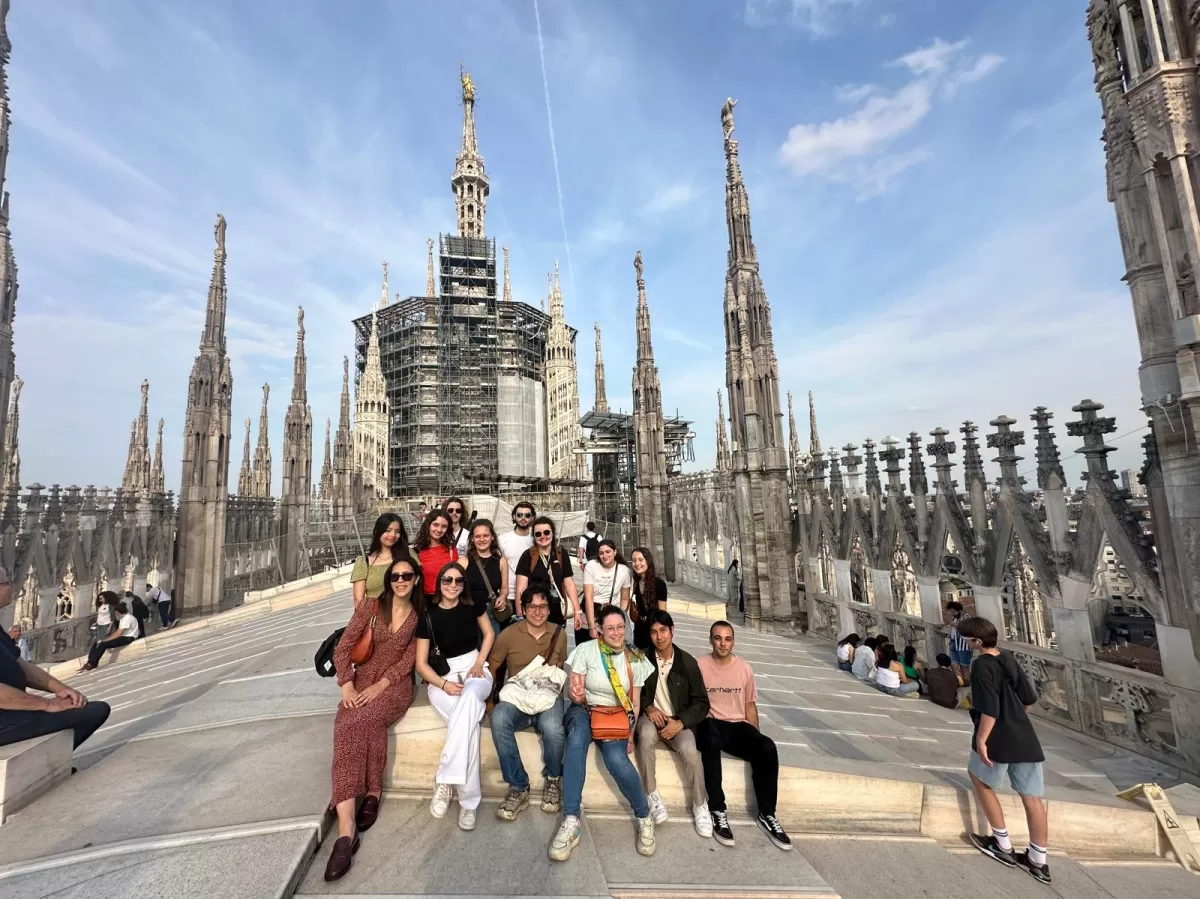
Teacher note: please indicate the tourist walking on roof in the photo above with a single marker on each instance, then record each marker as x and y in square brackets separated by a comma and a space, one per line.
[734, 588]
[435, 550]
[674, 703]
[649, 595]
[125, 633]
[162, 601]
[605, 691]
[375, 695]
[546, 563]
[20, 642]
[514, 544]
[487, 575]
[589, 544]
[388, 543]
[606, 582]
[452, 661]
[139, 610]
[732, 727]
[1005, 745]
[105, 603]
[960, 648]
[460, 530]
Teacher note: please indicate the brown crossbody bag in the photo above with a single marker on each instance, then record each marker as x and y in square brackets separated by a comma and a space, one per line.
[611, 722]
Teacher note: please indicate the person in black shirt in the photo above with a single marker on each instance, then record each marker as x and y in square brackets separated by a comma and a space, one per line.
[23, 715]
[649, 594]
[1004, 743]
[545, 563]
[487, 575]
[450, 628]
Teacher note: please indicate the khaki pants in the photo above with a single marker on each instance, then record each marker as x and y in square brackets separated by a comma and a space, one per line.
[684, 743]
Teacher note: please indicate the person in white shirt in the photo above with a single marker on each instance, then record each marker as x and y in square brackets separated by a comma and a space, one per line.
[125, 633]
[589, 544]
[606, 581]
[162, 599]
[514, 544]
[456, 510]
[22, 643]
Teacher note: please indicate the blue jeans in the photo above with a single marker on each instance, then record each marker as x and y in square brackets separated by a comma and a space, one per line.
[616, 759]
[507, 719]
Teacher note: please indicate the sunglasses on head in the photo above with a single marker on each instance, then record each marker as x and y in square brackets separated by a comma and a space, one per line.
[542, 533]
[405, 576]
[450, 579]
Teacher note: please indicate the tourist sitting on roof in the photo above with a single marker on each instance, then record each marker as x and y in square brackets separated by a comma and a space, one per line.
[845, 651]
[125, 633]
[863, 665]
[890, 676]
[941, 683]
[913, 669]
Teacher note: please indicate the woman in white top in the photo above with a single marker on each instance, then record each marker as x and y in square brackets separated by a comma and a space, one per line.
[606, 581]
[124, 634]
[605, 674]
[890, 677]
[845, 651]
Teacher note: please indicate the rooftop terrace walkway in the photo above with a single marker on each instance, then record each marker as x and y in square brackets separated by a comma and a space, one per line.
[212, 775]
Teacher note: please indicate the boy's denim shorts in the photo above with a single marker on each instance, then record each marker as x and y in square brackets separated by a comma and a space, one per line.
[1026, 777]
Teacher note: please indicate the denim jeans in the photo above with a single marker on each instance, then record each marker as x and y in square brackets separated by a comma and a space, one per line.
[507, 719]
[616, 759]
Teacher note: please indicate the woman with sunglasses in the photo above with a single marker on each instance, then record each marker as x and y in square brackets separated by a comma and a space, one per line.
[375, 695]
[387, 538]
[545, 563]
[435, 550]
[460, 531]
[451, 627]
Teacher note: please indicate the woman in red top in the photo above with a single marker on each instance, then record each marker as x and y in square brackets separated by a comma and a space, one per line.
[435, 549]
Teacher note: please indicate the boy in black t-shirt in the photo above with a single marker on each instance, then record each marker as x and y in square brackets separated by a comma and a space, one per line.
[1004, 743]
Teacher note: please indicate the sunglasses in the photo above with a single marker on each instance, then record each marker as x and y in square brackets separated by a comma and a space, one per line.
[523, 515]
[405, 576]
[452, 580]
[454, 511]
[542, 533]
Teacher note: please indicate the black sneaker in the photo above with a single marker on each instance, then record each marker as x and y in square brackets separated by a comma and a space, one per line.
[769, 825]
[721, 832]
[988, 846]
[1036, 871]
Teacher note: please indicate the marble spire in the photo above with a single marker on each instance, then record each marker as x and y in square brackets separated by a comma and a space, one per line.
[430, 282]
[262, 452]
[723, 457]
[245, 477]
[469, 181]
[601, 404]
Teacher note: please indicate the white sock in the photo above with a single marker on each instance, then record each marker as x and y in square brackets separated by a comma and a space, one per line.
[1036, 853]
[1002, 839]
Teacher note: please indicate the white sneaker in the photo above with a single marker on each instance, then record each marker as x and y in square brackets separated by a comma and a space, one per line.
[565, 840]
[466, 819]
[703, 820]
[658, 809]
[441, 800]
[645, 837]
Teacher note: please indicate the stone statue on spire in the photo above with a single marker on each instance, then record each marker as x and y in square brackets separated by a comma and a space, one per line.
[219, 232]
[468, 86]
[637, 264]
[727, 117]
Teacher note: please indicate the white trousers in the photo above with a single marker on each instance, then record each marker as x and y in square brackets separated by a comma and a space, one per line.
[460, 755]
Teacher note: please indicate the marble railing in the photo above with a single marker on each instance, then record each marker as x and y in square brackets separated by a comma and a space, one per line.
[707, 578]
[60, 641]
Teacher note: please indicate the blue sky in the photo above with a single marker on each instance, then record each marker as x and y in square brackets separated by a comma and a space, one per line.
[926, 180]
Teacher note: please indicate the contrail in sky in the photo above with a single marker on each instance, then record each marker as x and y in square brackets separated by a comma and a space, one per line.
[562, 215]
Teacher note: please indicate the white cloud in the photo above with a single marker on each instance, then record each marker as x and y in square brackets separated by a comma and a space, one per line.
[852, 147]
[819, 18]
[669, 199]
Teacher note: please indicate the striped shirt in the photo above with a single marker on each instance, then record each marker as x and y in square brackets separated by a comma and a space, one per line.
[957, 641]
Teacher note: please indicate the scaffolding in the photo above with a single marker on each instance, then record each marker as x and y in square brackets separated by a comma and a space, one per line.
[446, 361]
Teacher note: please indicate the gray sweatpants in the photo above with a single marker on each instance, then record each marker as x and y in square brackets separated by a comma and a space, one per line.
[684, 743]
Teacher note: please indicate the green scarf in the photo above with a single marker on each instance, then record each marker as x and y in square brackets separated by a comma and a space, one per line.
[606, 659]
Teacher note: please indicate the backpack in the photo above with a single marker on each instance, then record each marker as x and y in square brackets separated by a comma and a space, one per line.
[591, 549]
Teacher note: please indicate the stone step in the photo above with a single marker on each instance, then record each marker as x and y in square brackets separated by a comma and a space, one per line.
[847, 800]
[30, 768]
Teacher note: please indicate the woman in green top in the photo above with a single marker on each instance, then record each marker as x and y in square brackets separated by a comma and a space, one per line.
[912, 668]
[388, 537]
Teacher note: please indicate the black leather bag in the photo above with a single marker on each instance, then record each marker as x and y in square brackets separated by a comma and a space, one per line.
[323, 660]
[437, 661]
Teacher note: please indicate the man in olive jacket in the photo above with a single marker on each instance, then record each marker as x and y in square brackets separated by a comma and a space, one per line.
[674, 701]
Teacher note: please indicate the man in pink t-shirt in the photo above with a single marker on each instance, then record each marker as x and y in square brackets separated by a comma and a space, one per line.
[732, 727]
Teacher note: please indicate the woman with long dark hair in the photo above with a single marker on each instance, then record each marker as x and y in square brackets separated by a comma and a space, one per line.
[388, 542]
[375, 695]
[545, 563]
[450, 628]
[487, 574]
[649, 594]
[460, 530]
[606, 582]
[435, 549]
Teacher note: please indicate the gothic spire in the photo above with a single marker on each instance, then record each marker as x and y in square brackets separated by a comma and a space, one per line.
[1048, 459]
[12, 451]
[601, 404]
[469, 181]
[555, 298]
[245, 479]
[326, 487]
[157, 480]
[918, 483]
[383, 293]
[300, 364]
[262, 452]
[793, 442]
[297, 437]
[972, 462]
[1092, 429]
[430, 283]
[723, 458]
[645, 350]
[214, 314]
[344, 408]
[737, 201]
[507, 283]
[137, 463]
[814, 441]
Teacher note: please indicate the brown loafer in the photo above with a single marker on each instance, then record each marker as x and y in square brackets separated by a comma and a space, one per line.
[341, 857]
[367, 813]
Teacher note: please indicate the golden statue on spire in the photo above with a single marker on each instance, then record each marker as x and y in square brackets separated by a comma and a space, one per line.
[468, 86]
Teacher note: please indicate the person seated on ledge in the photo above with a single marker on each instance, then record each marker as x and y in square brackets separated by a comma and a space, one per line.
[375, 695]
[913, 669]
[24, 716]
[513, 650]
[674, 702]
[863, 665]
[941, 683]
[125, 633]
[890, 676]
[732, 727]
[845, 651]
[606, 678]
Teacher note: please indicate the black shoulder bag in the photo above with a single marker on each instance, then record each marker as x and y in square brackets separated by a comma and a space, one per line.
[323, 660]
[437, 661]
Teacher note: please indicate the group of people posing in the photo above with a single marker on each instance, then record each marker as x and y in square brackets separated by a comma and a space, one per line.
[485, 628]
